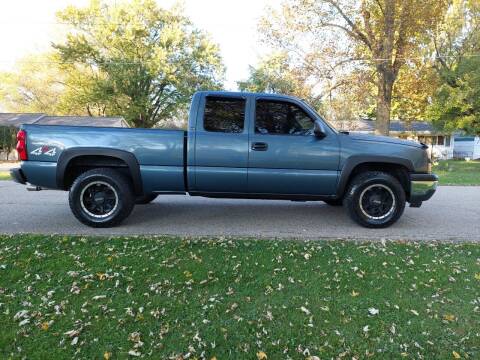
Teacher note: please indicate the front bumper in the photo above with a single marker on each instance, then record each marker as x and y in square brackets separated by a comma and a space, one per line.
[18, 176]
[422, 187]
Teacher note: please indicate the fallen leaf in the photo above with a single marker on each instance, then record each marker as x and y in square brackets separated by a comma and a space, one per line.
[107, 355]
[261, 355]
[414, 312]
[24, 322]
[354, 293]
[45, 326]
[373, 311]
[449, 317]
[101, 276]
[456, 355]
[305, 310]
[134, 353]
[477, 276]
[72, 333]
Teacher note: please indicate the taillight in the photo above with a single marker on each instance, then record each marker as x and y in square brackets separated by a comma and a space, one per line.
[22, 145]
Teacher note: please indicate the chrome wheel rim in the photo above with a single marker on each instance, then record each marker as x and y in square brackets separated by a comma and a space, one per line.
[377, 202]
[99, 199]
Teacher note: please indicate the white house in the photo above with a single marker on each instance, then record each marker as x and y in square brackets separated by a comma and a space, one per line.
[467, 147]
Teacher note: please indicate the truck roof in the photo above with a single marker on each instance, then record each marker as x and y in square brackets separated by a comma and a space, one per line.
[247, 93]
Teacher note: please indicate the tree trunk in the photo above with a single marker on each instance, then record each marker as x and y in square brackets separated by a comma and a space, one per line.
[384, 103]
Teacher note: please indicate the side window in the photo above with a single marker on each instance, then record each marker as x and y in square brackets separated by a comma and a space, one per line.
[224, 115]
[282, 118]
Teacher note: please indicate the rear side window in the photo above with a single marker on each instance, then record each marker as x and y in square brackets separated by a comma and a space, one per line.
[224, 115]
[282, 118]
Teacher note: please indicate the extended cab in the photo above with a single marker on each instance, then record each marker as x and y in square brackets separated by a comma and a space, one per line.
[237, 145]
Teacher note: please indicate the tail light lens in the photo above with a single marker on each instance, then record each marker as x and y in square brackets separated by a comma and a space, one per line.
[22, 145]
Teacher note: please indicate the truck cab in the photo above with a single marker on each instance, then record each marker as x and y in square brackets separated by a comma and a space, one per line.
[260, 144]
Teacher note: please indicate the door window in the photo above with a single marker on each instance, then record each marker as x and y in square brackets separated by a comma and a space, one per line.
[282, 118]
[224, 115]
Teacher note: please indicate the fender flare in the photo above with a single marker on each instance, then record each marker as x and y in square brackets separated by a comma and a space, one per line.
[70, 154]
[355, 160]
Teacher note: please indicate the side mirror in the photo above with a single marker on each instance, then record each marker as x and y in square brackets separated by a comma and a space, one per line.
[319, 129]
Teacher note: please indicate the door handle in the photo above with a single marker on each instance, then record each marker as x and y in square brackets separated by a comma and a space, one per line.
[259, 146]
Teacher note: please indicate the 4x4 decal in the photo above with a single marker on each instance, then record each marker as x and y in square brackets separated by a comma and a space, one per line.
[44, 150]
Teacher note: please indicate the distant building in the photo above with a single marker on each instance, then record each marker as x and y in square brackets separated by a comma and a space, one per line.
[467, 147]
[14, 120]
[441, 143]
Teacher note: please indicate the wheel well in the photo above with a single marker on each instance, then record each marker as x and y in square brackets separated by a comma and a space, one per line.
[398, 171]
[82, 163]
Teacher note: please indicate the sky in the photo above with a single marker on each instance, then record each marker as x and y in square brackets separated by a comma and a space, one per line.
[29, 26]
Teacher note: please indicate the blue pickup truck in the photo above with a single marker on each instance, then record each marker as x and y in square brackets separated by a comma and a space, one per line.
[238, 145]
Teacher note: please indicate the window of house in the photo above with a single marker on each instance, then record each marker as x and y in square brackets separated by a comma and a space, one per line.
[447, 140]
[282, 118]
[224, 115]
[441, 140]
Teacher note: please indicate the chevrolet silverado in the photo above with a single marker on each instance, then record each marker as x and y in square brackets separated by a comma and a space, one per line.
[237, 145]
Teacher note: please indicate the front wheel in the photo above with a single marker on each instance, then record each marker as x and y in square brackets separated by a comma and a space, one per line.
[101, 197]
[375, 199]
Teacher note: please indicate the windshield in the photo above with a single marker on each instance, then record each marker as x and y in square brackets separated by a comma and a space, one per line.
[320, 116]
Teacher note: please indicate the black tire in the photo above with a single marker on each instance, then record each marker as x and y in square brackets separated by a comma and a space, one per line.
[101, 197]
[334, 202]
[375, 199]
[145, 199]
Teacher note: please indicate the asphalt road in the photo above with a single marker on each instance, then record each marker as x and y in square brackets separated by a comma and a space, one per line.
[452, 214]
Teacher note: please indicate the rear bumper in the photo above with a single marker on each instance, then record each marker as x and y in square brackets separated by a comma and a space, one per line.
[18, 176]
[422, 187]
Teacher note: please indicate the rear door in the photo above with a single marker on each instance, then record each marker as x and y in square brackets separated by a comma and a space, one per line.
[285, 156]
[221, 145]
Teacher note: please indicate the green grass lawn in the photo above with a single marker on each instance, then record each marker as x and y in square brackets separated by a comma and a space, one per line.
[64, 297]
[4, 175]
[455, 172]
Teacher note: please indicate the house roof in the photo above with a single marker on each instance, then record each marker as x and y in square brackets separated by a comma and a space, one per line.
[367, 125]
[17, 119]
[83, 121]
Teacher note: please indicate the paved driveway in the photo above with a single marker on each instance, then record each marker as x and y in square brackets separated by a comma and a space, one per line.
[452, 214]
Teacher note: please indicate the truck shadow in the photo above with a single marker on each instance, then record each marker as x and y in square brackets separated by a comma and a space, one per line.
[245, 213]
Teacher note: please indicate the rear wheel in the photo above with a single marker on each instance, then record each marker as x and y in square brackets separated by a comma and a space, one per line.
[101, 197]
[375, 199]
[145, 199]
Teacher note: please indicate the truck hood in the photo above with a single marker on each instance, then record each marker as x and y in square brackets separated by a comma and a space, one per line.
[383, 139]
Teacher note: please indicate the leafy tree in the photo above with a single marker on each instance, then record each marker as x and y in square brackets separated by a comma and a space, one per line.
[147, 61]
[378, 36]
[276, 74]
[457, 107]
[133, 59]
[456, 104]
[34, 86]
[8, 139]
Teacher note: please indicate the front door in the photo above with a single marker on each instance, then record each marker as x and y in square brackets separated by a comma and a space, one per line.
[221, 146]
[285, 157]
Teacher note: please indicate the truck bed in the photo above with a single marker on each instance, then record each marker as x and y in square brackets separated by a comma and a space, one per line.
[160, 153]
